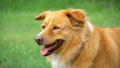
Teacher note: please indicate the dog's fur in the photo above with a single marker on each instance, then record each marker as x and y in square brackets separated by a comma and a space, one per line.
[85, 45]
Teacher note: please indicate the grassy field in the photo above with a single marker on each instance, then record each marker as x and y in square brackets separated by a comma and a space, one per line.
[18, 27]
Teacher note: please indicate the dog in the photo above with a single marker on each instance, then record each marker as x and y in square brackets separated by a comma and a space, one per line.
[69, 40]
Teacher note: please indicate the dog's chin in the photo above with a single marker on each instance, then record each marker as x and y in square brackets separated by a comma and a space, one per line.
[50, 48]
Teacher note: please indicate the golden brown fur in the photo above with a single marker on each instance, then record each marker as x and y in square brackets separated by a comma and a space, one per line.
[82, 47]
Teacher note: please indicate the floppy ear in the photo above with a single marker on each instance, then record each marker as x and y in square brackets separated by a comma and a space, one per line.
[42, 15]
[77, 17]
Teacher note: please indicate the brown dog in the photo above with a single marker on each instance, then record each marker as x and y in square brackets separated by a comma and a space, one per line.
[71, 41]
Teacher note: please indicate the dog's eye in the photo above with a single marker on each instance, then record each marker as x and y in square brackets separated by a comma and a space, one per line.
[56, 28]
[43, 27]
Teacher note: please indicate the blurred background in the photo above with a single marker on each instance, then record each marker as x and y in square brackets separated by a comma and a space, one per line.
[18, 27]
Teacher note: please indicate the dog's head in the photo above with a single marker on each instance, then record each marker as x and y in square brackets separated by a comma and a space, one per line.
[58, 28]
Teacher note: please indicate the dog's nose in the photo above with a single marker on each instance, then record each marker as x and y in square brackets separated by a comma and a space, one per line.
[39, 40]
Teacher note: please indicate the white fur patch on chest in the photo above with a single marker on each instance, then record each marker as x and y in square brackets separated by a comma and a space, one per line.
[56, 63]
[90, 26]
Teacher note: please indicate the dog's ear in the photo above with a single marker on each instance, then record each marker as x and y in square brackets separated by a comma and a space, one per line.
[77, 17]
[42, 15]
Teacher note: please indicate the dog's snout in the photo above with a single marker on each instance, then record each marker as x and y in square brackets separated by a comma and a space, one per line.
[39, 40]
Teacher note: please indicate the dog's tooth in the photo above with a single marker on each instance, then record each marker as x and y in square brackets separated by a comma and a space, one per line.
[60, 42]
[56, 43]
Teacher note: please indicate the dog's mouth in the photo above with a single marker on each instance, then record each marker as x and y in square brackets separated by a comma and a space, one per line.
[48, 49]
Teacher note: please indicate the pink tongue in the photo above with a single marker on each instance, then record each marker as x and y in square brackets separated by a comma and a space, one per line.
[45, 50]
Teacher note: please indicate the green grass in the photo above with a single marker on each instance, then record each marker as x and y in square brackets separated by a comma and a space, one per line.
[17, 46]
[18, 27]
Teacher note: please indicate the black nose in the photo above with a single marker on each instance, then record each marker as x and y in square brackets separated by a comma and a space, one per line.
[39, 40]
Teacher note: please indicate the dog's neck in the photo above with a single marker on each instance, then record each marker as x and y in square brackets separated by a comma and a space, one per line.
[56, 63]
